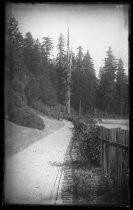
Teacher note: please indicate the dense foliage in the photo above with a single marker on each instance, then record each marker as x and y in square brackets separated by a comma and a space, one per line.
[89, 146]
[112, 88]
[17, 76]
[33, 75]
[26, 117]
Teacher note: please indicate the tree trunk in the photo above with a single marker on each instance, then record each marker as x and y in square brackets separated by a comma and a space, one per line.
[68, 92]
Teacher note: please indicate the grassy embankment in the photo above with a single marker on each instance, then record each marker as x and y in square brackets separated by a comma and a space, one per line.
[17, 137]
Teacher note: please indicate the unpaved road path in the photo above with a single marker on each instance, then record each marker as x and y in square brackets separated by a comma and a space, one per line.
[30, 176]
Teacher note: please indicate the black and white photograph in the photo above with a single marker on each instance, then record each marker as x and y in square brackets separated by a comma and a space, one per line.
[66, 104]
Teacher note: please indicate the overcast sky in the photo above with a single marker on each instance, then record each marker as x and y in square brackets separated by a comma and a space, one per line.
[94, 27]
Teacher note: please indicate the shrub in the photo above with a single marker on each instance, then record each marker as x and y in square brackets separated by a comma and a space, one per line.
[38, 105]
[50, 111]
[13, 100]
[14, 95]
[17, 85]
[88, 144]
[58, 111]
[17, 99]
[26, 117]
[68, 117]
[60, 108]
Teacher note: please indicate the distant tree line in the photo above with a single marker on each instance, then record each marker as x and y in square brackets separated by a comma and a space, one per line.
[32, 75]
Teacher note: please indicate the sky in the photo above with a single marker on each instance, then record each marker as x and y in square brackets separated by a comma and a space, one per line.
[93, 26]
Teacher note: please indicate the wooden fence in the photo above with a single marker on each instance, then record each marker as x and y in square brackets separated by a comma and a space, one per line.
[115, 154]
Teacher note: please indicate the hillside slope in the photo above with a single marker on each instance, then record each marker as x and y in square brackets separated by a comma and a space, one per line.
[18, 137]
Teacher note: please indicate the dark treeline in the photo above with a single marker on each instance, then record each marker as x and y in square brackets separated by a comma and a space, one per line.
[32, 77]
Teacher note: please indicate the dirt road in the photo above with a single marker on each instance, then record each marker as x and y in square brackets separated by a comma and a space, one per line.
[30, 176]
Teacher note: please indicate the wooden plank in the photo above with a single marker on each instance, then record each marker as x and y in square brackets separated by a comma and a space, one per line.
[103, 134]
[101, 153]
[121, 155]
[109, 134]
[113, 162]
[112, 135]
[104, 157]
[115, 144]
[122, 136]
[107, 159]
[127, 138]
[117, 138]
[119, 167]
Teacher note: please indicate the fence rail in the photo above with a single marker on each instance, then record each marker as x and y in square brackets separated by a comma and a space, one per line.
[115, 154]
